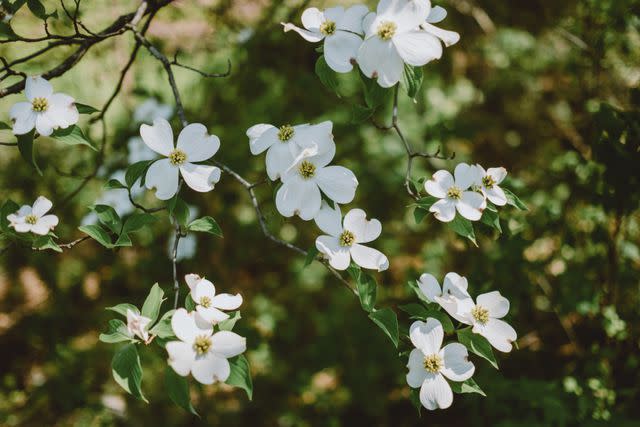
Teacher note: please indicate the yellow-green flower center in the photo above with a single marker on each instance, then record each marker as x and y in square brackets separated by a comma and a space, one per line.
[327, 28]
[205, 302]
[488, 181]
[386, 30]
[433, 363]
[202, 344]
[285, 133]
[307, 169]
[347, 238]
[480, 314]
[31, 219]
[40, 105]
[177, 157]
[454, 193]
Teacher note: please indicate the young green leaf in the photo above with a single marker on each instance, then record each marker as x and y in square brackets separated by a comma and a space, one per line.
[412, 80]
[163, 328]
[98, 234]
[27, 151]
[414, 397]
[240, 375]
[114, 184]
[127, 371]
[46, 242]
[122, 309]
[492, 219]
[108, 217]
[326, 75]
[227, 325]
[137, 221]
[117, 332]
[4, 126]
[136, 171]
[37, 8]
[179, 209]
[477, 344]
[312, 253]
[86, 109]
[469, 386]
[367, 291]
[463, 227]
[189, 303]
[7, 209]
[514, 201]
[206, 225]
[178, 390]
[387, 320]
[72, 135]
[151, 306]
[360, 114]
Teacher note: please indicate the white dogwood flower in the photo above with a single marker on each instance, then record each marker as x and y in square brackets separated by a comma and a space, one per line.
[429, 364]
[455, 194]
[34, 218]
[344, 241]
[137, 325]
[285, 143]
[44, 110]
[437, 14]
[485, 317]
[488, 182]
[454, 289]
[307, 176]
[194, 145]
[340, 29]
[209, 305]
[199, 351]
[393, 38]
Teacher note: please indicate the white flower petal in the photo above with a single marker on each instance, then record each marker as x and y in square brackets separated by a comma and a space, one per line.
[379, 59]
[158, 137]
[429, 286]
[22, 227]
[499, 334]
[194, 140]
[439, 184]
[341, 50]
[436, 392]
[407, 14]
[181, 357]
[211, 315]
[417, 47]
[449, 38]
[456, 285]
[498, 174]
[471, 205]
[192, 280]
[312, 18]
[496, 195]
[204, 288]
[228, 344]
[278, 160]
[352, 19]
[41, 206]
[288, 197]
[427, 336]
[370, 258]
[329, 219]
[45, 124]
[339, 256]
[417, 374]
[44, 225]
[185, 327]
[465, 175]
[497, 305]
[338, 183]
[201, 178]
[365, 231]
[310, 201]
[162, 176]
[261, 137]
[23, 117]
[437, 14]
[227, 301]
[63, 110]
[444, 210]
[456, 365]
[37, 87]
[210, 369]
[310, 36]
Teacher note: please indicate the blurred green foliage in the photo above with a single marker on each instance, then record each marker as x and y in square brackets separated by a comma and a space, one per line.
[547, 89]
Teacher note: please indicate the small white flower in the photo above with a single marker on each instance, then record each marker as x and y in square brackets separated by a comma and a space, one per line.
[137, 325]
[393, 38]
[194, 145]
[208, 304]
[287, 142]
[344, 241]
[151, 109]
[453, 290]
[45, 110]
[33, 218]
[437, 14]
[488, 182]
[485, 317]
[340, 29]
[429, 364]
[455, 194]
[201, 352]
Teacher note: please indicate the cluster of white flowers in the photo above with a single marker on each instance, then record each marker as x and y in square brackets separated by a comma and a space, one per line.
[399, 32]
[428, 363]
[34, 218]
[466, 191]
[201, 349]
[45, 111]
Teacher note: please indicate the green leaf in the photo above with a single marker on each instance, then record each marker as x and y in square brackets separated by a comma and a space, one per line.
[367, 291]
[240, 375]
[36, 7]
[137, 221]
[443, 318]
[360, 114]
[416, 289]
[477, 344]
[127, 371]
[151, 306]
[426, 202]
[86, 109]
[419, 214]
[228, 325]
[15, 6]
[7, 32]
[163, 328]
[514, 201]
[326, 75]
[189, 303]
[491, 218]
[122, 308]
[25, 146]
[412, 80]
[374, 94]
[463, 227]
[108, 217]
[123, 241]
[469, 386]
[4, 126]
[98, 234]
[387, 320]
[414, 397]
[136, 171]
[205, 225]
[72, 135]
[114, 184]
[179, 209]
[312, 253]
[416, 311]
[117, 332]
[178, 390]
[46, 242]
[7, 209]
